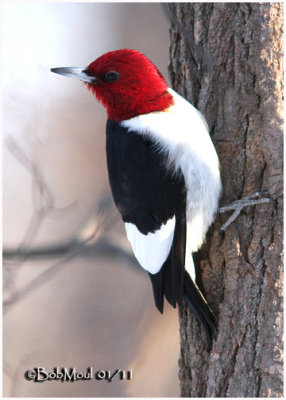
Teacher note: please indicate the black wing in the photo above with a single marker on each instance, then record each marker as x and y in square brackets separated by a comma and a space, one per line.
[145, 190]
[148, 193]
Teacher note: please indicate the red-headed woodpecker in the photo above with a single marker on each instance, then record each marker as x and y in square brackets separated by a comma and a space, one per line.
[163, 172]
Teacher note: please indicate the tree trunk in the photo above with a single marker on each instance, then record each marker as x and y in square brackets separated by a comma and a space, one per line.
[226, 58]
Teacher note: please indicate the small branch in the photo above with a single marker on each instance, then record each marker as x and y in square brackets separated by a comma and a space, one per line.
[238, 205]
[36, 283]
[45, 203]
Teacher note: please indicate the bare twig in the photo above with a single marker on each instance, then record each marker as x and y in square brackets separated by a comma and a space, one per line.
[43, 206]
[238, 205]
[36, 283]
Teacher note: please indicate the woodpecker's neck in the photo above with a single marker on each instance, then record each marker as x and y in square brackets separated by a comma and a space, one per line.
[125, 107]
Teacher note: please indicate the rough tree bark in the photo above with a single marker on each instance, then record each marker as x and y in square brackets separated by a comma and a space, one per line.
[226, 58]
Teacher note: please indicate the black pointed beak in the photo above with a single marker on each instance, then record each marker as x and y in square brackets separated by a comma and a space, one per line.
[79, 73]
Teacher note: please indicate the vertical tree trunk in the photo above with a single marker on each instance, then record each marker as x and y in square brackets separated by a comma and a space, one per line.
[226, 58]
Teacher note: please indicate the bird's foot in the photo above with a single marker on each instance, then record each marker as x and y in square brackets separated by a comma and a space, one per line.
[238, 205]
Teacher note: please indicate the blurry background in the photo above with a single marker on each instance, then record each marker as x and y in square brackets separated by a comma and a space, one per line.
[86, 303]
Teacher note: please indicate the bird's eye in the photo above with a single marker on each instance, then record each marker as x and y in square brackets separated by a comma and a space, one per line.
[111, 76]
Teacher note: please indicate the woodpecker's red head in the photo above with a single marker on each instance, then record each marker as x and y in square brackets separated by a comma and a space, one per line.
[126, 82]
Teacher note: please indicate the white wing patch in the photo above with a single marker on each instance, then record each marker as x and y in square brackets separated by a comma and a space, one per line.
[151, 250]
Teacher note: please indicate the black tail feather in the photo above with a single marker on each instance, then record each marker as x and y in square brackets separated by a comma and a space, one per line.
[173, 282]
[158, 290]
[168, 284]
[200, 309]
[169, 280]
